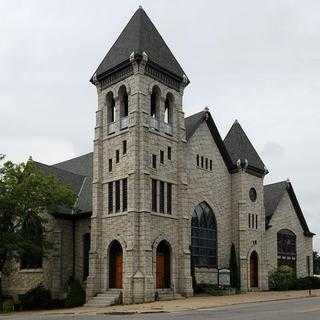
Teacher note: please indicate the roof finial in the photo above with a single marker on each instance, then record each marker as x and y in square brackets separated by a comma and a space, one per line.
[140, 7]
[236, 121]
[206, 109]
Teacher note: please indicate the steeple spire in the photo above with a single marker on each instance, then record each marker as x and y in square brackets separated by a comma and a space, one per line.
[139, 37]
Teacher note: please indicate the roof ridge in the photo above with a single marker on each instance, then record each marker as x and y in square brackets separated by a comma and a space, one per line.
[273, 183]
[58, 163]
[59, 169]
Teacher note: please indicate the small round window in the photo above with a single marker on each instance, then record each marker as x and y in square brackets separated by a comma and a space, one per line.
[253, 194]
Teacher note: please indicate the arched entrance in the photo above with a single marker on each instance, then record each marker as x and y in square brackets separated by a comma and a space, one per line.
[254, 271]
[163, 265]
[115, 265]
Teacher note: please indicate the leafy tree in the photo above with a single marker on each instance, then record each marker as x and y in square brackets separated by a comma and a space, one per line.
[234, 268]
[316, 262]
[26, 193]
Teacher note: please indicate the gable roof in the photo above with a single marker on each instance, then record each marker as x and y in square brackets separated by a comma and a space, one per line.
[273, 193]
[240, 147]
[193, 122]
[76, 173]
[140, 35]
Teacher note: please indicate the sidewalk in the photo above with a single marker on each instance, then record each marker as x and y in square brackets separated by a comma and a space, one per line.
[193, 303]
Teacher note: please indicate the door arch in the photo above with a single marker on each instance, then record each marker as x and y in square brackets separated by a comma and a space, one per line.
[115, 265]
[254, 270]
[163, 265]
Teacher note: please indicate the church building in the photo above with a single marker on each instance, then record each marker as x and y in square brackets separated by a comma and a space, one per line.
[163, 197]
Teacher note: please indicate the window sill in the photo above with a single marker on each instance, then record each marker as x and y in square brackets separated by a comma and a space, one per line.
[40, 270]
[163, 215]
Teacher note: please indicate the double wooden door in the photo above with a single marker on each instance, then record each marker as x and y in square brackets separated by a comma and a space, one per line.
[118, 271]
[254, 272]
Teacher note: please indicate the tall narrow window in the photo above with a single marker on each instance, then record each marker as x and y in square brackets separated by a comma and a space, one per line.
[110, 165]
[169, 153]
[287, 248]
[256, 221]
[161, 192]
[124, 195]
[155, 102]
[207, 163]
[154, 195]
[110, 107]
[117, 156]
[168, 108]
[161, 156]
[210, 165]
[169, 198]
[249, 218]
[201, 162]
[117, 195]
[124, 147]
[110, 197]
[198, 160]
[86, 250]
[154, 161]
[123, 98]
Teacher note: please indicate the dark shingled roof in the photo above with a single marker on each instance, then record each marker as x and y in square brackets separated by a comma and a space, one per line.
[140, 35]
[273, 194]
[76, 173]
[240, 147]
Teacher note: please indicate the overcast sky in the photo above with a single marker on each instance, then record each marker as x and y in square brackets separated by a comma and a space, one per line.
[255, 61]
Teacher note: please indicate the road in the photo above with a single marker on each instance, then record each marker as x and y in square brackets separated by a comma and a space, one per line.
[295, 309]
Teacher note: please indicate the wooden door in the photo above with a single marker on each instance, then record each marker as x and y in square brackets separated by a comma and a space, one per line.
[118, 271]
[160, 271]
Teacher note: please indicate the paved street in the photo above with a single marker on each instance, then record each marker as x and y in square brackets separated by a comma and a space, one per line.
[300, 309]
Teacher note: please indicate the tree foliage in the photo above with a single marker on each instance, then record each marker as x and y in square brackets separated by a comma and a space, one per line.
[234, 268]
[316, 262]
[25, 195]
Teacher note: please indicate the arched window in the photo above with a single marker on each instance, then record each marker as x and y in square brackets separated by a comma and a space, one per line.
[124, 105]
[287, 248]
[168, 108]
[155, 102]
[203, 236]
[110, 107]
[86, 251]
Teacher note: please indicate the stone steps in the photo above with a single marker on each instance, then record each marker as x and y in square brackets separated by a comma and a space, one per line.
[105, 299]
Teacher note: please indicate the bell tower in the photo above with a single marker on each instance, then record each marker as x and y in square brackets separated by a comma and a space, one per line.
[139, 182]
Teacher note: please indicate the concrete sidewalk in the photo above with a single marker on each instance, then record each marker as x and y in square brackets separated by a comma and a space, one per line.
[203, 302]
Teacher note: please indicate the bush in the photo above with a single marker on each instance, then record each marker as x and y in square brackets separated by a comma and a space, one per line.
[6, 306]
[76, 296]
[307, 283]
[213, 289]
[36, 298]
[282, 279]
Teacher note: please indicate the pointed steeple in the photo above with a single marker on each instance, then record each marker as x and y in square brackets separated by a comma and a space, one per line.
[240, 147]
[140, 36]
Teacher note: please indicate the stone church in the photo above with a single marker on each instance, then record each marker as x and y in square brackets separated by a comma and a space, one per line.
[163, 197]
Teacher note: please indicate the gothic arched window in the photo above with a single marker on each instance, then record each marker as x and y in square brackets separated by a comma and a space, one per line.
[168, 108]
[155, 102]
[203, 236]
[110, 107]
[287, 248]
[124, 104]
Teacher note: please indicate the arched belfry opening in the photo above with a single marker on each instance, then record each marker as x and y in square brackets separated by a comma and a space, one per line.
[110, 107]
[115, 265]
[203, 237]
[155, 102]
[254, 270]
[163, 265]
[168, 108]
[124, 102]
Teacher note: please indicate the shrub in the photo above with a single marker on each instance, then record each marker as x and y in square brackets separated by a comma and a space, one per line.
[76, 296]
[7, 306]
[282, 279]
[36, 298]
[307, 283]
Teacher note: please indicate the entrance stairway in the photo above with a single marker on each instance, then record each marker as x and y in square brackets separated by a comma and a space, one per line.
[108, 298]
[167, 294]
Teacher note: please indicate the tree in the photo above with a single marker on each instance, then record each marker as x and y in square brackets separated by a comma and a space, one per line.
[26, 194]
[316, 262]
[234, 268]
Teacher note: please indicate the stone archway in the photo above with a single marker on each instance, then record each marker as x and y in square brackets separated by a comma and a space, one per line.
[163, 265]
[254, 270]
[115, 265]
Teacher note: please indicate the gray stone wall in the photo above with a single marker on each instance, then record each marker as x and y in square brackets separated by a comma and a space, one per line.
[285, 217]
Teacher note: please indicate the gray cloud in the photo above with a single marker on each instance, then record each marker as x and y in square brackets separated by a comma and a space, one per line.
[258, 63]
